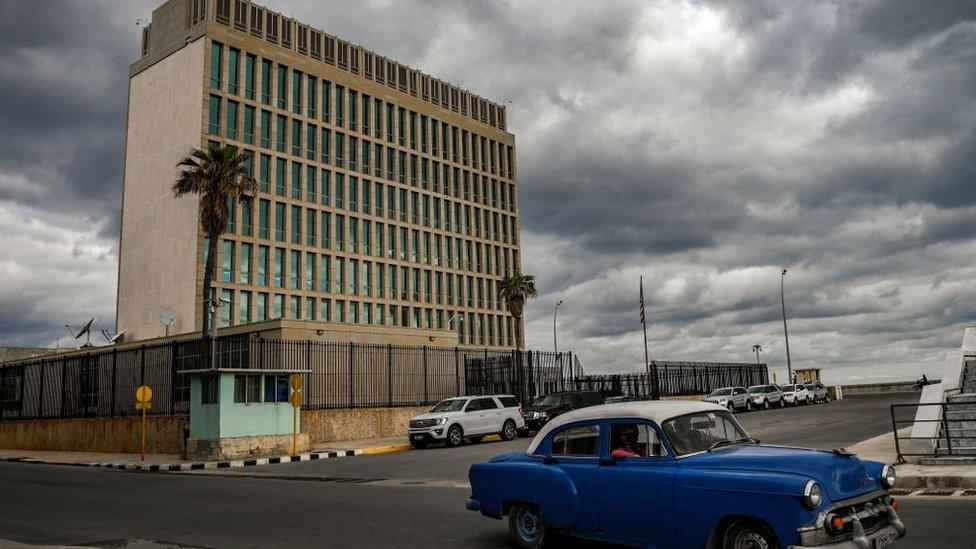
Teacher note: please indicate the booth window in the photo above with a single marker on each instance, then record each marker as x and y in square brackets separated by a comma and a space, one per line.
[247, 388]
[210, 390]
[275, 388]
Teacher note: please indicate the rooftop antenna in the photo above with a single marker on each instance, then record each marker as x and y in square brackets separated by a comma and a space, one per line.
[83, 331]
[111, 338]
[168, 317]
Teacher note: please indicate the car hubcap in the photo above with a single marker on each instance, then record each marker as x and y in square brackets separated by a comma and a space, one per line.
[455, 436]
[528, 525]
[750, 540]
[509, 431]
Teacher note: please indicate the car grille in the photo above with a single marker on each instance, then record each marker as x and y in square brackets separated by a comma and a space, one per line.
[422, 423]
[872, 514]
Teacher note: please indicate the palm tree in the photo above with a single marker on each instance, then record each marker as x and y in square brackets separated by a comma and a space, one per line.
[514, 290]
[218, 175]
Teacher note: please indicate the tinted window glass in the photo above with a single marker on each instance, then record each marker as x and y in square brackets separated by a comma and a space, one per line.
[488, 403]
[449, 405]
[592, 399]
[474, 405]
[509, 402]
[578, 441]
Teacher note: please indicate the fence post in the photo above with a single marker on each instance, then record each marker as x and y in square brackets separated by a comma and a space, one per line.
[426, 385]
[172, 377]
[40, 392]
[23, 384]
[457, 372]
[142, 365]
[64, 385]
[655, 382]
[352, 380]
[531, 378]
[389, 374]
[115, 359]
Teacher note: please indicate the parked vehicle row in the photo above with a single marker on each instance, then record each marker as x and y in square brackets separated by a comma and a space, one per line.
[763, 397]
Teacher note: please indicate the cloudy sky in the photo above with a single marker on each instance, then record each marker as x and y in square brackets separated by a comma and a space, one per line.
[704, 145]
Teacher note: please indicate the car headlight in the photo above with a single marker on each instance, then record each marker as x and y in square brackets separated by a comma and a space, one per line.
[888, 476]
[440, 421]
[812, 494]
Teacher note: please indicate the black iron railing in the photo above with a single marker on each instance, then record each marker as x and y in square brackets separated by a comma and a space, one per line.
[941, 440]
[672, 378]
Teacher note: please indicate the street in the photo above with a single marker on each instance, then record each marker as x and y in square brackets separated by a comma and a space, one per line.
[407, 499]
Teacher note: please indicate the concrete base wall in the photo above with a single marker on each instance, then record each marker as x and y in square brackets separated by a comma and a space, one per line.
[358, 423]
[164, 435]
[215, 449]
[880, 388]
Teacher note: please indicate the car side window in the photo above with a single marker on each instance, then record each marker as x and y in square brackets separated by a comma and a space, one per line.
[473, 405]
[583, 441]
[488, 403]
[509, 402]
[635, 440]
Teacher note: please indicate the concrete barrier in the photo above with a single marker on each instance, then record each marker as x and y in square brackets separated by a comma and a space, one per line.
[358, 423]
[164, 434]
[866, 389]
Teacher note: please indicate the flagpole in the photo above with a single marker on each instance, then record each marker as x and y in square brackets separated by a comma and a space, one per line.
[647, 362]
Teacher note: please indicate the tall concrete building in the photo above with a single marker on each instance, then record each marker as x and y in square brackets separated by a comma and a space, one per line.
[388, 199]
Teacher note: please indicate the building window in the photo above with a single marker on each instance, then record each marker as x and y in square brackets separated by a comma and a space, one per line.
[233, 67]
[276, 388]
[232, 112]
[214, 119]
[282, 87]
[266, 81]
[247, 389]
[262, 266]
[244, 314]
[216, 52]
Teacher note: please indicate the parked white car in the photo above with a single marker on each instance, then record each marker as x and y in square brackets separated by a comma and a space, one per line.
[797, 394]
[763, 397]
[733, 398]
[472, 417]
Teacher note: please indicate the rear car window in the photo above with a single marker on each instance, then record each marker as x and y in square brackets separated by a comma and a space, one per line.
[577, 441]
[487, 403]
[509, 402]
[592, 399]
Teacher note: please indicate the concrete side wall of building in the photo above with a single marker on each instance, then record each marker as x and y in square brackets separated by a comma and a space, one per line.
[160, 237]
[164, 435]
[357, 423]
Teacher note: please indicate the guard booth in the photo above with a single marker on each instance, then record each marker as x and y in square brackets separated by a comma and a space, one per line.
[807, 375]
[241, 413]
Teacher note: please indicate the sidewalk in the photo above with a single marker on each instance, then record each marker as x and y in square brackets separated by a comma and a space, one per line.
[912, 476]
[174, 462]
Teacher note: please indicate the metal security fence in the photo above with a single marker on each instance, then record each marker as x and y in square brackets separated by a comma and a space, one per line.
[102, 382]
[672, 378]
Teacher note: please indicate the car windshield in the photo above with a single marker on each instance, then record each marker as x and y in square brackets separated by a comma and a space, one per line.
[449, 405]
[703, 431]
[721, 392]
[550, 400]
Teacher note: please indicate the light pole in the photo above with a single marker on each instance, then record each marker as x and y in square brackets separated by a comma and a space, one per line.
[757, 348]
[786, 334]
[460, 325]
[555, 347]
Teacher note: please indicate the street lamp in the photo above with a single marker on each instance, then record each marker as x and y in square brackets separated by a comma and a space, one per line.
[786, 334]
[555, 347]
[460, 325]
[757, 348]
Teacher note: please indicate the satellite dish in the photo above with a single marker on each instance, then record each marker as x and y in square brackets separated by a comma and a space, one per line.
[112, 338]
[78, 332]
[168, 317]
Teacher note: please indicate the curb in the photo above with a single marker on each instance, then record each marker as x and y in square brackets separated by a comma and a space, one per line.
[201, 465]
[921, 482]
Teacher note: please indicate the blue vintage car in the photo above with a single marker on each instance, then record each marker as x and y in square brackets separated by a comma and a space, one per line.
[683, 474]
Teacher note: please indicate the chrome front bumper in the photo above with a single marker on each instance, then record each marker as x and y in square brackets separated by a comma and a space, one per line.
[860, 540]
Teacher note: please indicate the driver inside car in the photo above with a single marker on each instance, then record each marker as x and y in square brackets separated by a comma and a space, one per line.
[685, 438]
[626, 443]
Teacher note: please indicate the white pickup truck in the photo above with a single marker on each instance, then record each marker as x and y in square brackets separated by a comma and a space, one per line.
[472, 417]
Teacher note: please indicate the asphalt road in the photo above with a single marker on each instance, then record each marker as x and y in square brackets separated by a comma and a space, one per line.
[420, 504]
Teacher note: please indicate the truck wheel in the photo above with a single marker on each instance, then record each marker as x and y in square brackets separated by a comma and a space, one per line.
[527, 526]
[748, 534]
[418, 444]
[455, 436]
[509, 432]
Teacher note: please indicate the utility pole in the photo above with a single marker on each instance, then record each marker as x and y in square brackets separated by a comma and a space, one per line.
[757, 347]
[786, 334]
[555, 347]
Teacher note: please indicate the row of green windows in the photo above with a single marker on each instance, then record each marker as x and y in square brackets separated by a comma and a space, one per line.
[356, 154]
[362, 236]
[397, 124]
[247, 306]
[294, 269]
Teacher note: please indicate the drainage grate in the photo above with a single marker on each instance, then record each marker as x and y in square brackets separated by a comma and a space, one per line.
[936, 493]
[968, 493]
[901, 491]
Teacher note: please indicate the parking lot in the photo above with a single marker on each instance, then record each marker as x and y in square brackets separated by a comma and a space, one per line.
[407, 499]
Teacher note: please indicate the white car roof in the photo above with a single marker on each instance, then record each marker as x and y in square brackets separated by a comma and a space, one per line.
[657, 411]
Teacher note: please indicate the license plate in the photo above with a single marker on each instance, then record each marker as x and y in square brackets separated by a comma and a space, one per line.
[885, 540]
[418, 437]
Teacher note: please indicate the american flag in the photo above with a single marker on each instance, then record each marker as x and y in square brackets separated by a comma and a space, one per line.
[642, 300]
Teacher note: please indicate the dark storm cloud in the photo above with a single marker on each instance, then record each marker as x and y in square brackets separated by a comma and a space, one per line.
[704, 145]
